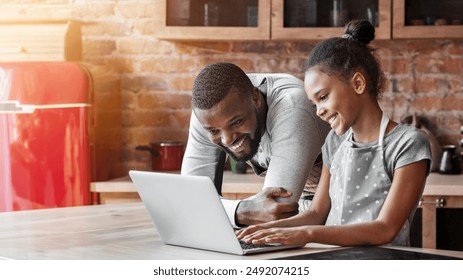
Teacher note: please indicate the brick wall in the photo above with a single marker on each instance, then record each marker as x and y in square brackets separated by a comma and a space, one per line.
[150, 80]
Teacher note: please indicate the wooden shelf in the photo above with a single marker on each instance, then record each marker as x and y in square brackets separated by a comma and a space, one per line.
[280, 32]
[213, 33]
[400, 29]
[271, 15]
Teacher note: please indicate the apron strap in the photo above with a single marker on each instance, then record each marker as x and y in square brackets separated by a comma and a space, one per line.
[382, 129]
[382, 132]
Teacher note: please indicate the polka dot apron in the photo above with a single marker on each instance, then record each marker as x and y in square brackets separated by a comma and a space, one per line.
[359, 183]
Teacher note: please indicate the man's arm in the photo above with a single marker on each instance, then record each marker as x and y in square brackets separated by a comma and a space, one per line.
[292, 158]
[296, 133]
[293, 142]
[296, 140]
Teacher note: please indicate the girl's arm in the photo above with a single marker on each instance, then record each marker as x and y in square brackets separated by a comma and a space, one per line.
[316, 215]
[406, 190]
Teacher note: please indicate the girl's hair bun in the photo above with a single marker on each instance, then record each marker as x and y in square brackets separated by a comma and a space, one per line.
[361, 31]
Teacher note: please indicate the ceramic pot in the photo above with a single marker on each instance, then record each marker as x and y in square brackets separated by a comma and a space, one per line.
[165, 155]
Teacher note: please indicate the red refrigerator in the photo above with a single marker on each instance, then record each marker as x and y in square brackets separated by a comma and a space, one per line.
[45, 137]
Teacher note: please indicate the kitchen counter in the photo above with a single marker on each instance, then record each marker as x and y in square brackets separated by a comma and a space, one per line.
[249, 184]
[235, 186]
[439, 184]
[441, 191]
[124, 231]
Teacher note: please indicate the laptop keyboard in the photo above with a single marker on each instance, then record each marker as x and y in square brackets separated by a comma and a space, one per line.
[247, 246]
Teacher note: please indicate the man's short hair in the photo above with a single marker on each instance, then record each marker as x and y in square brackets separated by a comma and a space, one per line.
[215, 81]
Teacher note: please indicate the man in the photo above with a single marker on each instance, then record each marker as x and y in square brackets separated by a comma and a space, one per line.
[264, 119]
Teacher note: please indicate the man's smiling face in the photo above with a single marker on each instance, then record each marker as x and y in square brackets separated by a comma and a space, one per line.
[233, 124]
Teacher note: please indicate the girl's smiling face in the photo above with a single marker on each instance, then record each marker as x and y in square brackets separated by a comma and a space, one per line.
[336, 100]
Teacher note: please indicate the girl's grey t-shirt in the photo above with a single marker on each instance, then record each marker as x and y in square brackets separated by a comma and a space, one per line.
[403, 145]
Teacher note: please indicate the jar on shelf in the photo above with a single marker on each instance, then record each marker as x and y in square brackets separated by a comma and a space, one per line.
[450, 163]
[211, 13]
[338, 15]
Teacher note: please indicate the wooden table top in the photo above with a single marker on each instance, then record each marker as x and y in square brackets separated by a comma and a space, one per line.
[117, 231]
[113, 231]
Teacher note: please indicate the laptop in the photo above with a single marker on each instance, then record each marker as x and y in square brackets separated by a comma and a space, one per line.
[187, 211]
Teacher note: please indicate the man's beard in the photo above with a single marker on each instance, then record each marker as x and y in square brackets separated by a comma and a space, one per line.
[254, 146]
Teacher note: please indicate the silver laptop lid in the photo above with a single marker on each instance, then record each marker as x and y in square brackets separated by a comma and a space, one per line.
[186, 211]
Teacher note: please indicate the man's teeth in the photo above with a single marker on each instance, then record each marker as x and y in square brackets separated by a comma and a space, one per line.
[234, 147]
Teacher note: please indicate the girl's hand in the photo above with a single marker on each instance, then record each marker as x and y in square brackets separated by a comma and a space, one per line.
[285, 236]
[246, 231]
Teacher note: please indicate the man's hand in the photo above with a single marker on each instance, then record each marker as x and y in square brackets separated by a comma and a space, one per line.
[264, 207]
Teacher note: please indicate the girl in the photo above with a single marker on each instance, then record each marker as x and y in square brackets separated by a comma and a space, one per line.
[374, 169]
